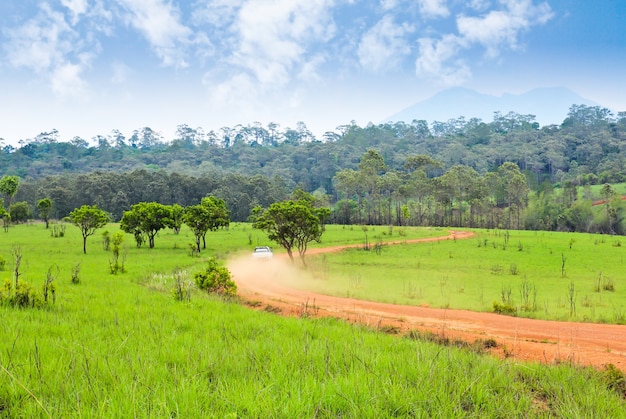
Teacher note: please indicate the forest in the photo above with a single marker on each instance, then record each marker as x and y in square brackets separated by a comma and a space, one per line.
[507, 173]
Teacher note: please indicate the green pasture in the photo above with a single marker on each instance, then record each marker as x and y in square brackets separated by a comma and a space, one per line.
[548, 275]
[118, 346]
[619, 188]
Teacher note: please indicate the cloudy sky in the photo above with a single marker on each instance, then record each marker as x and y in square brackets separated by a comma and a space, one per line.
[86, 67]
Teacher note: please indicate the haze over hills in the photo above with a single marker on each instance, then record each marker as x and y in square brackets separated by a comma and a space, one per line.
[550, 105]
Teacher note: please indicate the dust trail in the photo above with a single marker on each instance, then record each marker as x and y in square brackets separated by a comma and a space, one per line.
[268, 277]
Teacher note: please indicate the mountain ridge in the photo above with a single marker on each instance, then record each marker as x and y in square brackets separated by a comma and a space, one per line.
[549, 105]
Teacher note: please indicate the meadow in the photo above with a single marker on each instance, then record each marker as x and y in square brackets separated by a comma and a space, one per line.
[545, 275]
[122, 346]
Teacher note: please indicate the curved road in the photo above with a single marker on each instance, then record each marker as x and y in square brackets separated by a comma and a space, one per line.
[519, 338]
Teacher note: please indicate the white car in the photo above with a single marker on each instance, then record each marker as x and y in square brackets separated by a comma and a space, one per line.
[262, 252]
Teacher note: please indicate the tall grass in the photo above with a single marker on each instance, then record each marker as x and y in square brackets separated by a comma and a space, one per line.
[122, 346]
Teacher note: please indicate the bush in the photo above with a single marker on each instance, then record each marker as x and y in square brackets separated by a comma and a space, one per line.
[76, 274]
[615, 379]
[503, 308]
[216, 279]
[57, 231]
[22, 296]
[182, 286]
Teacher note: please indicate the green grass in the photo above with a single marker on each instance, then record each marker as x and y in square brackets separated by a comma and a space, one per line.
[619, 188]
[473, 273]
[121, 346]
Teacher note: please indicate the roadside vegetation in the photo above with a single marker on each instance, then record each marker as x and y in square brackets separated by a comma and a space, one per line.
[125, 345]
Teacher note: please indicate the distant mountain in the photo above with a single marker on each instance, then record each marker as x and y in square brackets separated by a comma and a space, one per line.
[550, 105]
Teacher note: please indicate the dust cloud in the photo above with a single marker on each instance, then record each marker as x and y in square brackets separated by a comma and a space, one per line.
[274, 276]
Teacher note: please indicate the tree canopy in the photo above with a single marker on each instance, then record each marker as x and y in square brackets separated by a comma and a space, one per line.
[44, 206]
[210, 214]
[88, 218]
[146, 218]
[9, 186]
[291, 224]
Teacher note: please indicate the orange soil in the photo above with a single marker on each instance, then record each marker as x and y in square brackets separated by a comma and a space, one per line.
[523, 339]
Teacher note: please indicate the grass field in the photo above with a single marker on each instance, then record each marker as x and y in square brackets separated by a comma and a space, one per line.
[122, 346]
[547, 275]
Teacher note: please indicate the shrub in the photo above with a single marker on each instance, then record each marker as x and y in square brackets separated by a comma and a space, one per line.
[615, 379]
[608, 284]
[57, 231]
[106, 240]
[76, 274]
[503, 308]
[49, 288]
[216, 279]
[115, 243]
[23, 295]
[3, 263]
[182, 286]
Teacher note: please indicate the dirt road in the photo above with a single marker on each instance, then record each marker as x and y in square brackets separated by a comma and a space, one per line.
[267, 287]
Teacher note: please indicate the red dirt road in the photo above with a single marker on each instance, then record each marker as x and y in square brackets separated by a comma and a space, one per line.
[523, 339]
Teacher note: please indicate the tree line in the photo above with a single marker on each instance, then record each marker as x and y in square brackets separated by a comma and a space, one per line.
[422, 193]
[509, 173]
[587, 147]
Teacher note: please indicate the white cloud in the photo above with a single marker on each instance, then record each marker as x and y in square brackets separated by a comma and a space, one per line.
[501, 28]
[480, 5]
[388, 4]
[433, 8]
[271, 45]
[47, 45]
[273, 36]
[159, 22]
[66, 81]
[77, 7]
[216, 12]
[496, 30]
[41, 42]
[438, 60]
[384, 45]
[309, 71]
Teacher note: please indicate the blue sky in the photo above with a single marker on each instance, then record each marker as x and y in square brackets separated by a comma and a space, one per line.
[86, 67]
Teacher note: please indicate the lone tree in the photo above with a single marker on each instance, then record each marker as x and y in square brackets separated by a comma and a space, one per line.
[291, 224]
[9, 186]
[210, 214]
[19, 212]
[146, 218]
[88, 219]
[44, 206]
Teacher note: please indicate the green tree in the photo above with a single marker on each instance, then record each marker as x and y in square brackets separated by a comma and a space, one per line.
[291, 224]
[9, 186]
[461, 182]
[176, 221]
[210, 214]
[88, 219]
[220, 216]
[44, 206]
[19, 212]
[146, 218]
[197, 218]
[515, 189]
[608, 193]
